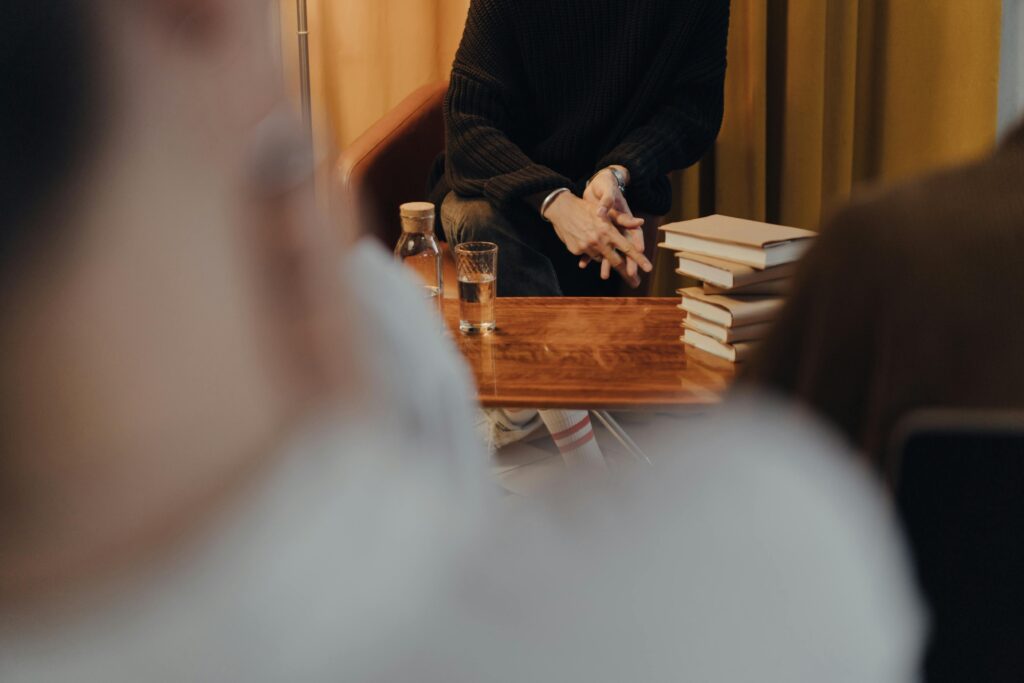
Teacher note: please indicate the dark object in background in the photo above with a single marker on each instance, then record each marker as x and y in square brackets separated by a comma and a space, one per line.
[48, 108]
[960, 491]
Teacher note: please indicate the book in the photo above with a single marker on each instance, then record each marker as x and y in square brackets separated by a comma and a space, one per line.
[733, 353]
[770, 288]
[722, 370]
[728, 274]
[754, 244]
[727, 335]
[730, 311]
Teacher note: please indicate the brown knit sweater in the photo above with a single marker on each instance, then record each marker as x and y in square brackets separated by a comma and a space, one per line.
[911, 299]
[546, 92]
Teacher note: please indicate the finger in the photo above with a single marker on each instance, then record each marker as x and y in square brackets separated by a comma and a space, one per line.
[623, 271]
[616, 262]
[626, 220]
[611, 256]
[584, 262]
[626, 247]
[631, 269]
[637, 238]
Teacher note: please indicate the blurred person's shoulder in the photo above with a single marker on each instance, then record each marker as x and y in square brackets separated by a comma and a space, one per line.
[763, 536]
[396, 322]
[414, 372]
[958, 205]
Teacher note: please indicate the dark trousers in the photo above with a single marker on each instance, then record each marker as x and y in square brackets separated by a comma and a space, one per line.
[532, 261]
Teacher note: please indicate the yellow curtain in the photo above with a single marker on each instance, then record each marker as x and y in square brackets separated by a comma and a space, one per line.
[369, 54]
[825, 95]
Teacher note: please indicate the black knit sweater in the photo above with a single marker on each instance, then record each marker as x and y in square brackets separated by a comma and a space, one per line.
[546, 92]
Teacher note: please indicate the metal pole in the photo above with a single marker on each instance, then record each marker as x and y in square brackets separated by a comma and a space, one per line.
[621, 436]
[304, 77]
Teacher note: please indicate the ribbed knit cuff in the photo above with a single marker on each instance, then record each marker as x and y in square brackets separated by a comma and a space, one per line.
[639, 173]
[651, 198]
[526, 184]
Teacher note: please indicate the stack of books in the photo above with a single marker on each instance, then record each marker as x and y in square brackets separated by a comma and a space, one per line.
[746, 269]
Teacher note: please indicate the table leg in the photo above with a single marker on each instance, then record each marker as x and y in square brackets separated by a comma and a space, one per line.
[621, 436]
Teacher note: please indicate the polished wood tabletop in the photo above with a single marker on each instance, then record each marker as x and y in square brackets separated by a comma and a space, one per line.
[589, 354]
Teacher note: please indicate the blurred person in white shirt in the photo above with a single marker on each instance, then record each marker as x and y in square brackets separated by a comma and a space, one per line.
[219, 461]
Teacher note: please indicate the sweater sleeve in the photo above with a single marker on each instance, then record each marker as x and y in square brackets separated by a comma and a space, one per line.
[682, 130]
[482, 159]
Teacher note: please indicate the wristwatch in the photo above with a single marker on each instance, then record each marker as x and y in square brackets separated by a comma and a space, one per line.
[620, 177]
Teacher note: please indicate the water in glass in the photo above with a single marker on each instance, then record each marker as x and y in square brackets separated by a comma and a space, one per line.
[477, 266]
[476, 302]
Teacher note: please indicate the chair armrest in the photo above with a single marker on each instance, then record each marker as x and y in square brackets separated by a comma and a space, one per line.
[389, 163]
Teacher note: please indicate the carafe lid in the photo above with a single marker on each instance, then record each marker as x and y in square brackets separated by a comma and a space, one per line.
[418, 210]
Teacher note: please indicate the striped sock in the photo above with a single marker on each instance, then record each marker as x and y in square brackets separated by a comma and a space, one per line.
[574, 436]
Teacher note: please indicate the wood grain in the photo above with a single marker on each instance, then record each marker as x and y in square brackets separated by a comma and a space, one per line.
[588, 354]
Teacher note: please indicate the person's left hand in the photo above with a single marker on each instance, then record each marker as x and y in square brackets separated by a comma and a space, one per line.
[604, 195]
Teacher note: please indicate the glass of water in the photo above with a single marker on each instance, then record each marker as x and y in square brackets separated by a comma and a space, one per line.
[477, 266]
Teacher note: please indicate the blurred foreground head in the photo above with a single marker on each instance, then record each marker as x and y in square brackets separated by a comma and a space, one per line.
[163, 297]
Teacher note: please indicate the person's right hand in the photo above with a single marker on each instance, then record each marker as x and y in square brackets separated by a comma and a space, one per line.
[585, 233]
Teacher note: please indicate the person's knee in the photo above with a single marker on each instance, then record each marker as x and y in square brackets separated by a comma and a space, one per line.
[471, 220]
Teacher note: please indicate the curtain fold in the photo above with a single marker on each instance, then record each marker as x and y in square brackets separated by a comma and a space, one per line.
[823, 96]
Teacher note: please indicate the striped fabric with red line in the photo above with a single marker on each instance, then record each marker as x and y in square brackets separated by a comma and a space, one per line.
[579, 443]
[579, 426]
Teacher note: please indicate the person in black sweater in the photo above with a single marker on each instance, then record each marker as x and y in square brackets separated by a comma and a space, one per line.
[564, 119]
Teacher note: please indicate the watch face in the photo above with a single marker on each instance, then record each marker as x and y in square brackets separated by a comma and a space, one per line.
[617, 174]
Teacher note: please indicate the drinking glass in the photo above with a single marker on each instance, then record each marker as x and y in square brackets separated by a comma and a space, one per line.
[477, 267]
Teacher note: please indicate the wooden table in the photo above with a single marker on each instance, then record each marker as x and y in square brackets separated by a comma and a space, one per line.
[589, 354]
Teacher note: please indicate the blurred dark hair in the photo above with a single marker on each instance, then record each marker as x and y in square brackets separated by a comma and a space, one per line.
[47, 92]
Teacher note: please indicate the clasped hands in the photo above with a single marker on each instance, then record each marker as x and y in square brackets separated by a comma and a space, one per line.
[601, 228]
